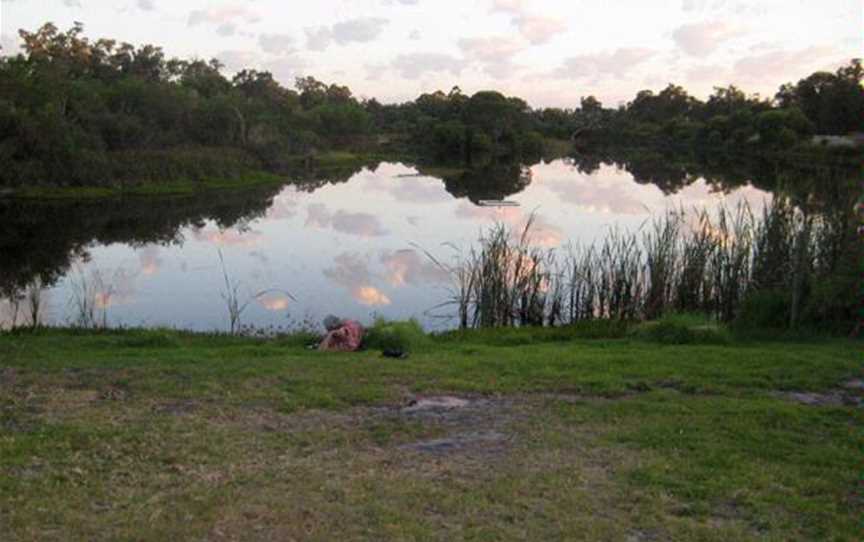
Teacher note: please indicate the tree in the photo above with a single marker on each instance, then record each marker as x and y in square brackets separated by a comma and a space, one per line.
[834, 102]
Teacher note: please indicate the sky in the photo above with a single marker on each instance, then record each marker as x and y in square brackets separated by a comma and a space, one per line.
[550, 52]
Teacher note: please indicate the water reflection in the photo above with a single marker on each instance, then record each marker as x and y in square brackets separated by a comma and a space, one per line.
[341, 241]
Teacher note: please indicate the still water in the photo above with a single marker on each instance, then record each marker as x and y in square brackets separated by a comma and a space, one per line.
[351, 246]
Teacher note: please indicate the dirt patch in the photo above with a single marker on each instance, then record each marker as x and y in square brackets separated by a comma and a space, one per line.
[848, 395]
[479, 442]
[466, 426]
[176, 408]
[8, 376]
[855, 384]
[445, 402]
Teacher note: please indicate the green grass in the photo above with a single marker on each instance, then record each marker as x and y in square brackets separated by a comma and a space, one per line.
[172, 188]
[149, 435]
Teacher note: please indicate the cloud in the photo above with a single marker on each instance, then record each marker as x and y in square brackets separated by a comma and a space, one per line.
[284, 205]
[617, 63]
[277, 44]
[72, 3]
[274, 302]
[406, 267]
[150, 262]
[237, 60]
[352, 272]
[318, 39]
[286, 68]
[361, 30]
[369, 295]
[543, 233]
[415, 35]
[359, 224]
[415, 65]
[225, 17]
[374, 72]
[614, 194]
[537, 29]
[425, 190]
[226, 29]
[709, 73]
[490, 49]
[146, 5]
[702, 39]
[229, 238]
[8, 46]
[515, 7]
[493, 54]
[776, 66]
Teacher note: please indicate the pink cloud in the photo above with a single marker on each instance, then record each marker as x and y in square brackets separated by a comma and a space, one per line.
[702, 39]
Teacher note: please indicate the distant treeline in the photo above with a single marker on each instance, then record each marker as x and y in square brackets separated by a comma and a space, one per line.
[77, 112]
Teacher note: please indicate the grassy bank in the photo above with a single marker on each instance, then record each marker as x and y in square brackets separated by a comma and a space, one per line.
[319, 164]
[147, 435]
[171, 188]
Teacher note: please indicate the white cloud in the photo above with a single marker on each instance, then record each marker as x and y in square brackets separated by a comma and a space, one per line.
[358, 30]
[415, 65]
[407, 267]
[494, 55]
[238, 60]
[617, 63]
[223, 15]
[776, 66]
[8, 45]
[490, 49]
[359, 224]
[361, 30]
[539, 30]
[287, 68]
[146, 5]
[226, 29]
[276, 44]
[352, 272]
[318, 39]
[515, 7]
[702, 39]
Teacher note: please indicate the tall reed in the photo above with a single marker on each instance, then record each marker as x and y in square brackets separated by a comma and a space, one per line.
[695, 261]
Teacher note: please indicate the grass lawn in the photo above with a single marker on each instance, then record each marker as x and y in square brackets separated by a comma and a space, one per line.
[167, 436]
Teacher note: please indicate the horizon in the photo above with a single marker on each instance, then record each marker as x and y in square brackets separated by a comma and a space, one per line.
[549, 53]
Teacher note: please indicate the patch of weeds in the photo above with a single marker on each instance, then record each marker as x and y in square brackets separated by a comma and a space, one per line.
[763, 310]
[404, 336]
[682, 329]
[150, 340]
[519, 336]
[299, 339]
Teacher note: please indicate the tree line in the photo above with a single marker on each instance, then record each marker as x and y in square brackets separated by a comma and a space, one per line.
[76, 111]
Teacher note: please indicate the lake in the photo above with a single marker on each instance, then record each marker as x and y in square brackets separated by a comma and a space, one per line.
[356, 244]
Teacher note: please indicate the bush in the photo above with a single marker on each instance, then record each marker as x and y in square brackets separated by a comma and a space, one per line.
[299, 338]
[682, 329]
[518, 336]
[405, 336]
[760, 310]
[150, 339]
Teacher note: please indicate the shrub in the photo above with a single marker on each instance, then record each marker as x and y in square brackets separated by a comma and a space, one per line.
[765, 309]
[682, 329]
[150, 339]
[405, 336]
